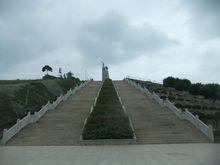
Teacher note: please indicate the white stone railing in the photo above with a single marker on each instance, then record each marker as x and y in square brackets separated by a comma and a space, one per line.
[30, 119]
[207, 130]
[182, 114]
[173, 108]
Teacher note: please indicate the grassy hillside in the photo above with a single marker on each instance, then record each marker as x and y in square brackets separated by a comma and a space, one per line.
[107, 121]
[21, 96]
[33, 95]
[6, 111]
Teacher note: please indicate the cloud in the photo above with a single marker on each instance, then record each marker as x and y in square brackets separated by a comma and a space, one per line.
[112, 39]
[30, 31]
[131, 37]
[209, 61]
[21, 33]
[204, 18]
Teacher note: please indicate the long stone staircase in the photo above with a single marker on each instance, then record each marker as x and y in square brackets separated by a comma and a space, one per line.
[61, 126]
[153, 124]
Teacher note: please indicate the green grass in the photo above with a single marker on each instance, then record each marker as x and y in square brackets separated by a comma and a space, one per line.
[3, 82]
[33, 96]
[49, 77]
[107, 121]
[6, 111]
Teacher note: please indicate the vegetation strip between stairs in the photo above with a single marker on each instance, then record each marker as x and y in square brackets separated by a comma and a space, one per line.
[108, 121]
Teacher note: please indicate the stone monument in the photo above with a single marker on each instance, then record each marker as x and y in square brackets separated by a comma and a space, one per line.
[105, 73]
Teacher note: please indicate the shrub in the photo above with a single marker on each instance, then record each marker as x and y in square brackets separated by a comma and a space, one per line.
[212, 107]
[188, 106]
[163, 97]
[171, 97]
[196, 106]
[163, 91]
[179, 84]
[178, 105]
[180, 99]
[107, 121]
[66, 84]
[49, 77]
[204, 116]
[204, 107]
[211, 91]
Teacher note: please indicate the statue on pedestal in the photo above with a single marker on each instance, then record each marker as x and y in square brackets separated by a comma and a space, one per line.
[105, 73]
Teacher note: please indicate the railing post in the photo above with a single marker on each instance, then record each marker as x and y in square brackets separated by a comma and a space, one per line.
[91, 109]
[197, 119]
[18, 125]
[29, 117]
[4, 136]
[35, 117]
[95, 101]
[211, 135]
[61, 98]
[50, 105]
[183, 114]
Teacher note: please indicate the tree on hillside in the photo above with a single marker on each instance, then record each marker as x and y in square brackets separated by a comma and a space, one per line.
[169, 82]
[196, 89]
[182, 84]
[212, 91]
[178, 84]
[47, 68]
[209, 91]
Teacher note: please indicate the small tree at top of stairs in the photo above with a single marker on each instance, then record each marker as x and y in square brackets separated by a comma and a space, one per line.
[47, 68]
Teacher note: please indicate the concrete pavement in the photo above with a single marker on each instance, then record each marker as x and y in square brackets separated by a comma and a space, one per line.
[164, 154]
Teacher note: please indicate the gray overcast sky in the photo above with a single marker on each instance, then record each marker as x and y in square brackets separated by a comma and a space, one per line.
[141, 38]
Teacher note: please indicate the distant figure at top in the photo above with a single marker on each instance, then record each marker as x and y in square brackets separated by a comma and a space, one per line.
[105, 73]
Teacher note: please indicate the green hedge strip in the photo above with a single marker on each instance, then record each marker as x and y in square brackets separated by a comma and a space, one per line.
[107, 121]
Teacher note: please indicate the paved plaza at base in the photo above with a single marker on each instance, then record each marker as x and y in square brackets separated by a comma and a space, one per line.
[164, 154]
